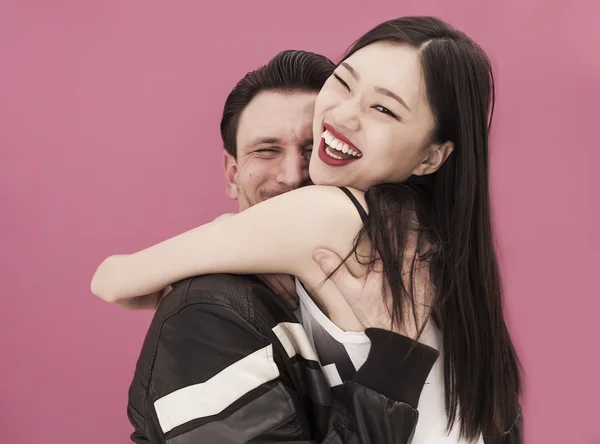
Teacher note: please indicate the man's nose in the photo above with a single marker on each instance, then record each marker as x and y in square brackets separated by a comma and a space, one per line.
[293, 170]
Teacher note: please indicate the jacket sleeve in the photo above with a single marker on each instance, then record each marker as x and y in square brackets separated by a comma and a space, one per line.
[378, 404]
[216, 379]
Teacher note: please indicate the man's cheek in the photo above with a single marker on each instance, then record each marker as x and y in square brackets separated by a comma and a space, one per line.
[261, 171]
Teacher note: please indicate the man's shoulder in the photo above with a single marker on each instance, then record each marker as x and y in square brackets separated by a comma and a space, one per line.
[235, 311]
[202, 327]
[244, 294]
[226, 289]
[243, 298]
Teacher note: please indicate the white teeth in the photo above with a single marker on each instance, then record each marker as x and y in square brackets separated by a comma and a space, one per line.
[338, 145]
[328, 150]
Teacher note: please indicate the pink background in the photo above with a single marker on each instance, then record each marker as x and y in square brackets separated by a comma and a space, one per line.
[109, 141]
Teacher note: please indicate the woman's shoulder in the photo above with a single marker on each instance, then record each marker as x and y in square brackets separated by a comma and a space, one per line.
[326, 196]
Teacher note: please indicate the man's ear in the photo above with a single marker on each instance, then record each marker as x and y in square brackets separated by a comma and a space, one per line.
[436, 156]
[231, 170]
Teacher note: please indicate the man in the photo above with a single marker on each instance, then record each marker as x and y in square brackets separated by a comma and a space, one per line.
[225, 359]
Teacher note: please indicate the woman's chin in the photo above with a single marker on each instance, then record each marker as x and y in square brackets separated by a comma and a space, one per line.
[319, 177]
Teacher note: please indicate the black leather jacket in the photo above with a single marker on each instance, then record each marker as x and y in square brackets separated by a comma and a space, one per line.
[225, 361]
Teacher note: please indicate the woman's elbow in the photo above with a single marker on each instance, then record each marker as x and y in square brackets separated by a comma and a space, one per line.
[102, 284]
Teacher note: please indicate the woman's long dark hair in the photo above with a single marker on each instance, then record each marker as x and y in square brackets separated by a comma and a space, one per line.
[452, 211]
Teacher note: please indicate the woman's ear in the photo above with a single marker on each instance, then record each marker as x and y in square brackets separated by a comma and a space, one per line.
[436, 156]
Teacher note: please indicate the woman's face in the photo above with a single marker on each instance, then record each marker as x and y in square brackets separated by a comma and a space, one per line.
[372, 120]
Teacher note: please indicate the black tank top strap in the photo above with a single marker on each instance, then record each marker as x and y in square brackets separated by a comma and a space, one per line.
[359, 207]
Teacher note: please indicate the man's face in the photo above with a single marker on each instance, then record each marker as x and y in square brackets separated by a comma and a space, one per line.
[274, 143]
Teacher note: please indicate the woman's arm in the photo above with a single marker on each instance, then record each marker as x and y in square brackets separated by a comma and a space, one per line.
[275, 236]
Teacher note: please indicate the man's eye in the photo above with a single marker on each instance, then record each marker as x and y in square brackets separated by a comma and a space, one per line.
[267, 150]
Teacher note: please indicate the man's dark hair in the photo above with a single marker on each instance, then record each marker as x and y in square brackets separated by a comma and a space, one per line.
[288, 72]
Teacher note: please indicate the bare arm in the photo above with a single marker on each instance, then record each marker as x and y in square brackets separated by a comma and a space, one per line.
[275, 236]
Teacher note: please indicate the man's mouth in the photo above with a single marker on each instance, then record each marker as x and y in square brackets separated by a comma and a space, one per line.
[335, 149]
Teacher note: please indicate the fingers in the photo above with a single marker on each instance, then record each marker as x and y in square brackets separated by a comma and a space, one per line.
[289, 285]
[290, 301]
[283, 286]
[271, 282]
[343, 279]
[288, 289]
[377, 266]
[146, 302]
[166, 291]
[327, 260]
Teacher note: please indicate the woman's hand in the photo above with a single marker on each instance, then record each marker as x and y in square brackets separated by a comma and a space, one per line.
[368, 298]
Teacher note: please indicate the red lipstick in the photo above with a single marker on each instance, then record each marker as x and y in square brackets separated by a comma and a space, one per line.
[331, 161]
[340, 136]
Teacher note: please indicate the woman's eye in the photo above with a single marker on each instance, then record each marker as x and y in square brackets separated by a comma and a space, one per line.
[339, 79]
[385, 111]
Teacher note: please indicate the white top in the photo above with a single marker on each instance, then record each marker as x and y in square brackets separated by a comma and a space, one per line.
[342, 353]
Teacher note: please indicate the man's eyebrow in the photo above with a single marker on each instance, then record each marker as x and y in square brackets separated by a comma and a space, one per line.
[276, 141]
[264, 141]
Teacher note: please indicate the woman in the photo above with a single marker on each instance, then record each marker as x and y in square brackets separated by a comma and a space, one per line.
[404, 124]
